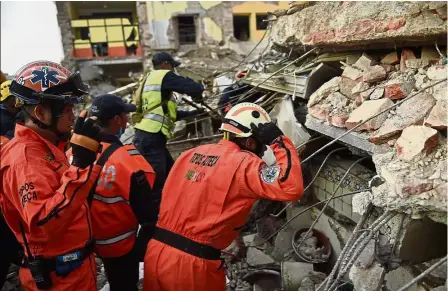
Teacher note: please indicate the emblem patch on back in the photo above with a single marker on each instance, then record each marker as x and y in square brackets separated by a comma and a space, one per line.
[270, 174]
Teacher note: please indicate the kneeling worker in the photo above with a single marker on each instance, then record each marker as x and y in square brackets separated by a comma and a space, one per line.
[123, 197]
[208, 196]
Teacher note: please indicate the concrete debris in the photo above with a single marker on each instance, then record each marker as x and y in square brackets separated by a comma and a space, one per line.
[370, 279]
[346, 86]
[367, 256]
[338, 100]
[256, 257]
[310, 282]
[374, 74]
[352, 73]
[293, 273]
[407, 115]
[310, 249]
[378, 93]
[416, 141]
[439, 91]
[360, 87]
[390, 59]
[365, 111]
[437, 72]
[399, 277]
[420, 79]
[406, 54]
[438, 118]
[361, 201]
[430, 53]
[417, 63]
[364, 62]
[398, 88]
[325, 90]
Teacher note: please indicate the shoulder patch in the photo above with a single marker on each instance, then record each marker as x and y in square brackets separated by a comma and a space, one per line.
[270, 174]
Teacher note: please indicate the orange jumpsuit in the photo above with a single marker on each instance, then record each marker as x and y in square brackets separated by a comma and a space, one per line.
[44, 193]
[207, 198]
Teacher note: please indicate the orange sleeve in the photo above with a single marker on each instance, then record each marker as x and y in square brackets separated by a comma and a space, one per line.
[282, 181]
[48, 205]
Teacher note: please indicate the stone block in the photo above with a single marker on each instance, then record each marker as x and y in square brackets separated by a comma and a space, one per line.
[352, 73]
[416, 141]
[367, 110]
[390, 59]
[324, 91]
[411, 112]
[437, 72]
[378, 93]
[438, 117]
[370, 279]
[374, 74]
[406, 54]
[417, 63]
[364, 62]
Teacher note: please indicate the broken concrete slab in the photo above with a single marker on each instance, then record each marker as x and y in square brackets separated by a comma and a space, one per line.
[364, 62]
[417, 63]
[391, 59]
[324, 91]
[416, 141]
[367, 256]
[438, 117]
[256, 257]
[352, 73]
[406, 54]
[374, 74]
[437, 72]
[407, 115]
[365, 111]
[378, 93]
[370, 279]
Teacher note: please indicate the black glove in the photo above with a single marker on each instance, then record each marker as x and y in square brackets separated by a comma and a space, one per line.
[266, 133]
[85, 141]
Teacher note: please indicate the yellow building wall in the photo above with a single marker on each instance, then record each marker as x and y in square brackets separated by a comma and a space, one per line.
[254, 8]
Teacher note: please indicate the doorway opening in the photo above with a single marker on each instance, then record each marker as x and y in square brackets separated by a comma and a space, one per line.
[241, 27]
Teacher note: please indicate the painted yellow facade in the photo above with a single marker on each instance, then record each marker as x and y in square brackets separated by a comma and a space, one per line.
[252, 9]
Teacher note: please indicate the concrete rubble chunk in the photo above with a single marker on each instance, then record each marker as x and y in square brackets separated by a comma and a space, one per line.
[338, 100]
[420, 79]
[410, 112]
[439, 91]
[417, 63]
[361, 201]
[360, 87]
[319, 112]
[294, 272]
[437, 72]
[399, 277]
[416, 141]
[438, 117]
[398, 88]
[390, 59]
[406, 54]
[374, 74]
[352, 73]
[256, 257]
[324, 91]
[370, 279]
[364, 62]
[378, 93]
[366, 110]
[367, 256]
[346, 86]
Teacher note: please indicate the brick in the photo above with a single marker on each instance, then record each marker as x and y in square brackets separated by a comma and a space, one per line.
[391, 59]
[364, 62]
[417, 63]
[415, 142]
[367, 110]
[398, 89]
[352, 73]
[318, 112]
[438, 118]
[406, 54]
[437, 72]
[411, 112]
[338, 119]
[374, 74]
[378, 93]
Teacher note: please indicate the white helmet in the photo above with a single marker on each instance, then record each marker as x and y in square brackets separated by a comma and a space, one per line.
[240, 117]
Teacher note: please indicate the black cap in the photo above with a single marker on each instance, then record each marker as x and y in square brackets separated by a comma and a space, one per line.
[164, 57]
[108, 106]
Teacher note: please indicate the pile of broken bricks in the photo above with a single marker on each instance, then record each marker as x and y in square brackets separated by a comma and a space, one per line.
[415, 167]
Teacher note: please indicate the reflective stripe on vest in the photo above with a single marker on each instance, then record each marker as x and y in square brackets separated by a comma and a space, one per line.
[115, 239]
[155, 119]
[110, 200]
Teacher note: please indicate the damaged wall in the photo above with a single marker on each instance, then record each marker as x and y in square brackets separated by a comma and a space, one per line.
[347, 23]
[64, 23]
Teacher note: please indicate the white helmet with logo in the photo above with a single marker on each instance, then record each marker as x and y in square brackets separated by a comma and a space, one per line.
[240, 117]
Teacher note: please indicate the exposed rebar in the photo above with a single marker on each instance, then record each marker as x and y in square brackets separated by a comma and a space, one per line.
[419, 277]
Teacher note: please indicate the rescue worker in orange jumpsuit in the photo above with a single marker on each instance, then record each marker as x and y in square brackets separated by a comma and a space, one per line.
[43, 197]
[208, 196]
[123, 197]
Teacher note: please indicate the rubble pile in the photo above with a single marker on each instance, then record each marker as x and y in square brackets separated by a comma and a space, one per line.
[308, 246]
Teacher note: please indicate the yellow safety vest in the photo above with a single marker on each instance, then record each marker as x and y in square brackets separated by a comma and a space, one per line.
[155, 118]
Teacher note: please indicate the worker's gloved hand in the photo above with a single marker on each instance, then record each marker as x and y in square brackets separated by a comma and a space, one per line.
[85, 141]
[266, 133]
